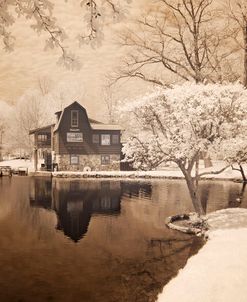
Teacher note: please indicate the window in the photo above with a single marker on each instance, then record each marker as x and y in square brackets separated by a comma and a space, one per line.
[105, 159]
[95, 138]
[74, 159]
[74, 137]
[74, 118]
[42, 137]
[105, 139]
[105, 202]
[115, 139]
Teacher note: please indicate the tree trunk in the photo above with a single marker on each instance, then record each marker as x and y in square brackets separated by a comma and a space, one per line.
[241, 195]
[242, 173]
[194, 195]
[245, 56]
[193, 190]
[35, 159]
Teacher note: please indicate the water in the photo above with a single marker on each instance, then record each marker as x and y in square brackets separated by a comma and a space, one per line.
[105, 241]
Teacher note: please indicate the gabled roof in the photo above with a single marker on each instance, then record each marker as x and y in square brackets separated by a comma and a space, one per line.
[41, 128]
[95, 125]
[61, 115]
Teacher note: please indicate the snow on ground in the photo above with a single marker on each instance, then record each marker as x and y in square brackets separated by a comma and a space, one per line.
[166, 172]
[18, 163]
[218, 273]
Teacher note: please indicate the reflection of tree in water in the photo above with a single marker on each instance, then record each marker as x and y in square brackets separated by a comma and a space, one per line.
[143, 279]
[137, 189]
[204, 194]
[213, 193]
[235, 197]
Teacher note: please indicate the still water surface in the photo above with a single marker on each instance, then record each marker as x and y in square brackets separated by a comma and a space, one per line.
[73, 241]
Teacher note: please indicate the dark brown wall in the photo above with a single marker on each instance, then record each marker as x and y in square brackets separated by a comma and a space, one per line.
[43, 144]
[85, 147]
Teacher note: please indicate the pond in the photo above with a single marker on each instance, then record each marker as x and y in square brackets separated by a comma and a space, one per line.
[96, 240]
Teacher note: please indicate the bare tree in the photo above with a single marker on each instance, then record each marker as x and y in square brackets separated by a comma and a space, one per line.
[44, 85]
[238, 13]
[30, 113]
[180, 38]
[6, 113]
[2, 129]
[109, 98]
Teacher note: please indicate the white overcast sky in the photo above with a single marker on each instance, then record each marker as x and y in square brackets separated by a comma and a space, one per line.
[21, 68]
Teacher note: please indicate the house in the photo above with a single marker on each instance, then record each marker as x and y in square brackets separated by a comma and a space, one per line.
[77, 143]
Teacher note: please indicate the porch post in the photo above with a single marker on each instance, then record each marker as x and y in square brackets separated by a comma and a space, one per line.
[35, 159]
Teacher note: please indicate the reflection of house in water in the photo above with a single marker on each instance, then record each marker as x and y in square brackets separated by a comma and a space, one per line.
[75, 202]
[41, 193]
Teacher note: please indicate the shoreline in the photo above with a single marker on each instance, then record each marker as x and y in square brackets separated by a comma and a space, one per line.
[125, 175]
[169, 172]
[218, 271]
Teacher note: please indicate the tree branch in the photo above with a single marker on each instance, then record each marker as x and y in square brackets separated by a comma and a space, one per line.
[214, 172]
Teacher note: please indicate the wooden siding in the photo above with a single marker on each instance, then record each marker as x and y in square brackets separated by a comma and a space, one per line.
[43, 144]
[56, 142]
[87, 146]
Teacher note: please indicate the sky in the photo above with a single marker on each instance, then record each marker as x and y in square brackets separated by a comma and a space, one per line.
[22, 68]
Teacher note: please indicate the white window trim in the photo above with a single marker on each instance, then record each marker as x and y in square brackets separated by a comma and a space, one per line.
[71, 119]
[101, 139]
[105, 164]
[75, 155]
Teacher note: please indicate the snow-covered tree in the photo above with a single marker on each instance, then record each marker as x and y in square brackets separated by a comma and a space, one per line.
[179, 123]
[6, 111]
[41, 13]
[235, 154]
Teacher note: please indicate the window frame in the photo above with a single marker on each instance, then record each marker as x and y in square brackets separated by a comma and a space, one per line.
[72, 118]
[42, 137]
[93, 138]
[118, 139]
[104, 161]
[74, 156]
[101, 139]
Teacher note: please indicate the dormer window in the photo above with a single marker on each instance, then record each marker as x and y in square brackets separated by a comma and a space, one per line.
[74, 118]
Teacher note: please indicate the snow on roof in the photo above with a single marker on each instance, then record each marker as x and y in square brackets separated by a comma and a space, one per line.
[95, 125]
[94, 121]
[105, 127]
[40, 128]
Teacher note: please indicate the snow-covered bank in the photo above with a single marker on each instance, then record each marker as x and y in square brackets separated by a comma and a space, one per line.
[173, 174]
[18, 163]
[218, 272]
